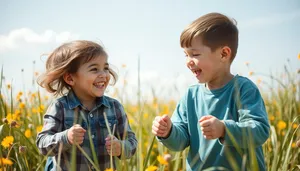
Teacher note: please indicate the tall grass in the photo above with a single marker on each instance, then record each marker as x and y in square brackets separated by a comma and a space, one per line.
[21, 119]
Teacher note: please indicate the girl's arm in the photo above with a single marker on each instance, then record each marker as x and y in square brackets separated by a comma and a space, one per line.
[125, 133]
[49, 139]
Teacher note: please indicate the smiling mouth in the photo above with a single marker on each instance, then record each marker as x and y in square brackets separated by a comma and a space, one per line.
[99, 84]
[197, 72]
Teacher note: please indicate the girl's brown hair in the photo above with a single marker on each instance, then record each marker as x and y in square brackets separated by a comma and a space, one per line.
[67, 58]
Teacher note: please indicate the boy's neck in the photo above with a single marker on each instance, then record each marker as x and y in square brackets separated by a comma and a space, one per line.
[219, 81]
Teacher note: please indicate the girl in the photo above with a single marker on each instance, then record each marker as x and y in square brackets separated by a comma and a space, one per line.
[83, 116]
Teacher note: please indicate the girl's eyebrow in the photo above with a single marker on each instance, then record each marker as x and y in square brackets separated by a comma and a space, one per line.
[94, 64]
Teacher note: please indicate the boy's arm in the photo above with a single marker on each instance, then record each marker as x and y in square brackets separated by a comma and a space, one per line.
[50, 138]
[253, 126]
[129, 142]
[178, 138]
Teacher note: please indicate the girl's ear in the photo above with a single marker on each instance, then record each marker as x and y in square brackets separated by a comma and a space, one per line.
[68, 79]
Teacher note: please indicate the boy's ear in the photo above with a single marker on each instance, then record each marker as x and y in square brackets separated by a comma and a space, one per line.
[68, 79]
[225, 53]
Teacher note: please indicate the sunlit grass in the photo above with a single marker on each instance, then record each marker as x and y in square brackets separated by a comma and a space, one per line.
[22, 112]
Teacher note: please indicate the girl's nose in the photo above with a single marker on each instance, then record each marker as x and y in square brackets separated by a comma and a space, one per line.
[102, 74]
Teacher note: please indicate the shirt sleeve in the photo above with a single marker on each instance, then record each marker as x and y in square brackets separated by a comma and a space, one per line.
[125, 133]
[252, 128]
[179, 137]
[52, 135]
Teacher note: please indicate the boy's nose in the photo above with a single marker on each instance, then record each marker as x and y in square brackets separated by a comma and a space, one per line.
[189, 61]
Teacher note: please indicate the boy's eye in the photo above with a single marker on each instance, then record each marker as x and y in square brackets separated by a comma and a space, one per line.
[94, 69]
[106, 68]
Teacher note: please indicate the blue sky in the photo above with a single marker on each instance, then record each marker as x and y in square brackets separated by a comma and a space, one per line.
[269, 35]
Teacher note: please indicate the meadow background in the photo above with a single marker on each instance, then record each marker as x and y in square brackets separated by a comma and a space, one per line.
[22, 112]
[142, 40]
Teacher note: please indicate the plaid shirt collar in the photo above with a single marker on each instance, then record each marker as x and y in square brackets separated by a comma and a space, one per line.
[74, 102]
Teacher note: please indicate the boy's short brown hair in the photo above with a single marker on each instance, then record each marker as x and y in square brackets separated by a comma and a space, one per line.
[215, 30]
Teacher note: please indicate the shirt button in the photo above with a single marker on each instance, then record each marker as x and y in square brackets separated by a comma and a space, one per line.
[93, 136]
[91, 115]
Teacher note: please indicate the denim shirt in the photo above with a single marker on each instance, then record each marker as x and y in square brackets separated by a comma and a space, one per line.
[66, 111]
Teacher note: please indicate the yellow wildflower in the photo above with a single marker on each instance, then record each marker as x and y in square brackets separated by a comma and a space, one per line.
[299, 56]
[17, 112]
[12, 117]
[7, 141]
[146, 115]
[42, 107]
[28, 133]
[161, 160]
[33, 110]
[293, 145]
[110, 169]
[251, 73]
[295, 126]
[281, 125]
[131, 121]
[39, 128]
[152, 168]
[123, 65]
[272, 118]
[8, 86]
[21, 105]
[5, 161]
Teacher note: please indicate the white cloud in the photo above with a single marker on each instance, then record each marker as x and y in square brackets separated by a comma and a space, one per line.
[16, 37]
[273, 19]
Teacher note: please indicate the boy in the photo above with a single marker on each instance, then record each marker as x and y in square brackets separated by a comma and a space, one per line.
[224, 119]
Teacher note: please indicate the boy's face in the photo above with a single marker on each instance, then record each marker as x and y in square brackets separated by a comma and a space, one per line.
[91, 79]
[205, 64]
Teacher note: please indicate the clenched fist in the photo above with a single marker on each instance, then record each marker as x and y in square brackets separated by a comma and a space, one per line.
[113, 145]
[212, 127]
[76, 134]
[161, 126]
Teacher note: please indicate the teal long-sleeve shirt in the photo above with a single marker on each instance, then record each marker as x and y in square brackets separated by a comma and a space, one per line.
[240, 105]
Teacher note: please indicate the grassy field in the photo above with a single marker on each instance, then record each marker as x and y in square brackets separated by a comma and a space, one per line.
[22, 113]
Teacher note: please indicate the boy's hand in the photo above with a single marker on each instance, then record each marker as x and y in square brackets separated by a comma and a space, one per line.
[161, 126]
[112, 143]
[212, 127]
[76, 134]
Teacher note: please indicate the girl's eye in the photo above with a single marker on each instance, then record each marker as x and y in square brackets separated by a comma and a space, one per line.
[106, 69]
[94, 69]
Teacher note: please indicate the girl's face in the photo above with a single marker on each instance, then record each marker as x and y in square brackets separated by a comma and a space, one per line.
[91, 79]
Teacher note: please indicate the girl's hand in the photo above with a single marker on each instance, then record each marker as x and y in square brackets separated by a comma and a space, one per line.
[212, 127]
[76, 134]
[112, 143]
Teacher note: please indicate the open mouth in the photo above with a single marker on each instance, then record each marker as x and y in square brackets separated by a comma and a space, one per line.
[197, 72]
[99, 84]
